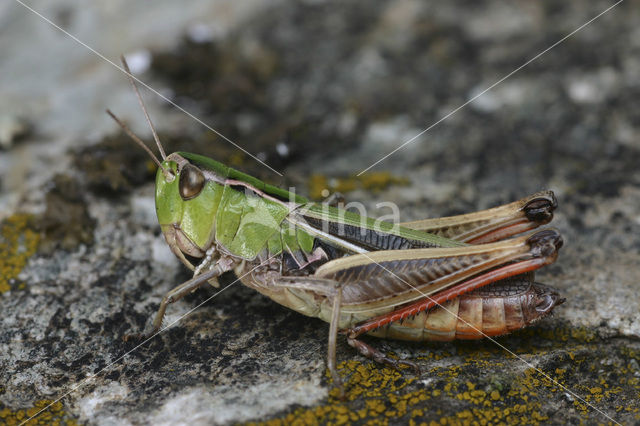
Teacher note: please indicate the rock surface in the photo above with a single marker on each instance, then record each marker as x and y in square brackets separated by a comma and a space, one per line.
[319, 91]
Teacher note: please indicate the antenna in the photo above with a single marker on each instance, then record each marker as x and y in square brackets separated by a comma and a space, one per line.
[139, 141]
[144, 109]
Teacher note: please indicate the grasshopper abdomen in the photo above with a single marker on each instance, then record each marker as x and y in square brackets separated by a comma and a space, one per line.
[494, 310]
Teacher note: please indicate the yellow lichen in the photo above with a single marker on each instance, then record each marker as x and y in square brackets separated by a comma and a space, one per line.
[320, 186]
[17, 243]
[53, 415]
[381, 391]
[377, 395]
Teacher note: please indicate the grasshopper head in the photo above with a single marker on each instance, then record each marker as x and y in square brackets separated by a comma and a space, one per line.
[187, 199]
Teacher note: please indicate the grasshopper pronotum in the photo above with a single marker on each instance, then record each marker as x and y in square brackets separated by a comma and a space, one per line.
[436, 279]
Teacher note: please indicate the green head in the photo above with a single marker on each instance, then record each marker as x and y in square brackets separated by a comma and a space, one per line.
[202, 204]
[187, 200]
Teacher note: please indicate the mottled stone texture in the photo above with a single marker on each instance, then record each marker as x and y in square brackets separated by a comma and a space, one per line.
[320, 91]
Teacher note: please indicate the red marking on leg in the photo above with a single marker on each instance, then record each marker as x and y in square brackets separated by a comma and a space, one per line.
[504, 232]
[449, 293]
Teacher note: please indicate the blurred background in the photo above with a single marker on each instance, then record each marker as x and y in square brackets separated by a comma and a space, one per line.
[319, 91]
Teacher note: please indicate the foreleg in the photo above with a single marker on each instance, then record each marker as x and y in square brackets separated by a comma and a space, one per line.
[174, 295]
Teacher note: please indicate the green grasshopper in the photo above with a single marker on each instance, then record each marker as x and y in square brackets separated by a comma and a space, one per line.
[413, 281]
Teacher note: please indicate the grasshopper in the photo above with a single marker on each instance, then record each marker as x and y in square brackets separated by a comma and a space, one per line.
[437, 279]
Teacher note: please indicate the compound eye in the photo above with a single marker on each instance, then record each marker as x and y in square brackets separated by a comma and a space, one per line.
[191, 182]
